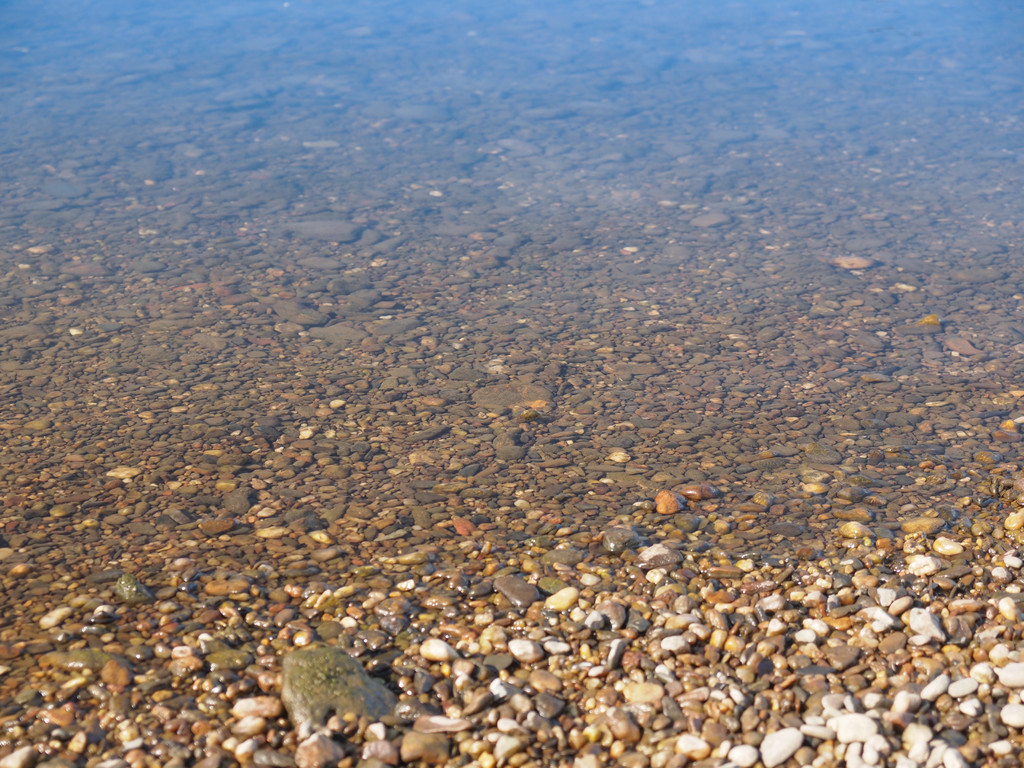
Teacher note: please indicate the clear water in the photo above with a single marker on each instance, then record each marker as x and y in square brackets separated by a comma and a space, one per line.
[637, 206]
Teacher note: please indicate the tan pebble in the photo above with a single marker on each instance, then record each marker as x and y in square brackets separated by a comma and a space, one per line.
[852, 262]
[20, 570]
[124, 473]
[927, 525]
[693, 747]
[435, 649]
[1008, 609]
[563, 599]
[945, 546]
[1014, 521]
[643, 693]
[814, 489]
[258, 706]
[55, 617]
[619, 456]
[854, 530]
[273, 532]
[668, 503]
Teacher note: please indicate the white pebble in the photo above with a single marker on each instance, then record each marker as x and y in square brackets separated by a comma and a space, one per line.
[905, 701]
[804, 636]
[693, 747]
[1012, 715]
[1001, 748]
[915, 734]
[819, 627]
[952, 758]
[965, 686]
[525, 651]
[1012, 561]
[435, 649]
[878, 619]
[972, 707]
[938, 686]
[818, 731]
[1012, 675]
[743, 755]
[885, 596]
[923, 565]
[983, 673]
[853, 727]
[779, 746]
[1008, 609]
[924, 622]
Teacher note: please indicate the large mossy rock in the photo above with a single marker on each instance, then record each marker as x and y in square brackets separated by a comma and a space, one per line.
[319, 682]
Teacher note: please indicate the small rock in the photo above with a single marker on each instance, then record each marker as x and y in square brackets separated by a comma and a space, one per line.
[517, 591]
[435, 649]
[924, 622]
[1012, 715]
[525, 651]
[431, 748]
[779, 746]
[643, 693]
[1012, 675]
[744, 755]
[923, 565]
[658, 556]
[935, 688]
[55, 617]
[131, 591]
[853, 727]
[23, 757]
[318, 751]
[693, 747]
[441, 724]
[563, 599]
[258, 706]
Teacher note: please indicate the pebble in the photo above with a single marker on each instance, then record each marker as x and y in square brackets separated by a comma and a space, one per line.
[55, 617]
[853, 727]
[563, 599]
[435, 649]
[517, 591]
[525, 651]
[744, 755]
[926, 623]
[777, 747]
[937, 686]
[692, 747]
[1012, 715]
[923, 565]
[965, 686]
[1012, 675]
[23, 757]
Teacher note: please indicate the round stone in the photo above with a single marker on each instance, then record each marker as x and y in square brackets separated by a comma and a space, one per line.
[435, 649]
[1012, 715]
[779, 746]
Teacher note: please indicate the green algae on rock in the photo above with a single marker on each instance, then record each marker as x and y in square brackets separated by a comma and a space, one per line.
[321, 681]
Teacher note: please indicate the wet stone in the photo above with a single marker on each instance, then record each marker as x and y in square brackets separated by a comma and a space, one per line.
[132, 591]
[517, 591]
[318, 682]
[617, 540]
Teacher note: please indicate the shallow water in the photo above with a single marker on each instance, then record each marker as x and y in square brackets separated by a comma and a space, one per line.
[516, 267]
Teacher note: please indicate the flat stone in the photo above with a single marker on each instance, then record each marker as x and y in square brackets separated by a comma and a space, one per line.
[841, 657]
[713, 219]
[658, 556]
[23, 757]
[441, 724]
[318, 682]
[777, 747]
[517, 591]
[744, 755]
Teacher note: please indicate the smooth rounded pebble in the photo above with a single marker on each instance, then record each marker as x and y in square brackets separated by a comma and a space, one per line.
[853, 727]
[1012, 675]
[525, 651]
[435, 649]
[779, 746]
[743, 755]
[1012, 715]
[563, 599]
